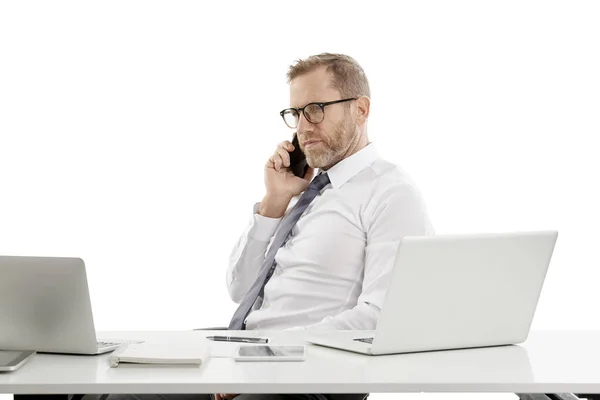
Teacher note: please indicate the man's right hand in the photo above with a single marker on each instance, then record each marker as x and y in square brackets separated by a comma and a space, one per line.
[281, 183]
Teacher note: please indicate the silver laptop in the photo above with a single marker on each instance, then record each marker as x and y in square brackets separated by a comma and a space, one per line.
[45, 306]
[456, 291]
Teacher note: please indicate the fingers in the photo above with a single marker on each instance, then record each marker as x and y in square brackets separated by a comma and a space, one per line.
[287, 145]
[281, 157]
[284, 158]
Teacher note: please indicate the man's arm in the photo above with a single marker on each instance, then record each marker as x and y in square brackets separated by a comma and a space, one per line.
[248, 255]
[399, 212]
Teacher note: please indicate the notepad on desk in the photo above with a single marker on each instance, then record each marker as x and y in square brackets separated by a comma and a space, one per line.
[160, 354]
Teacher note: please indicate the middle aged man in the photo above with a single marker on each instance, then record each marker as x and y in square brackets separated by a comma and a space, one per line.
[333, 270]
[323, 260]
[318, 253]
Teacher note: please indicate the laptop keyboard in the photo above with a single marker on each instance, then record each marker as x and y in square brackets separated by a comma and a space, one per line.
[365, 340]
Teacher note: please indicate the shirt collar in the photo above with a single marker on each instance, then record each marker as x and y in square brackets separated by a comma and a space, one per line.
[344, 170]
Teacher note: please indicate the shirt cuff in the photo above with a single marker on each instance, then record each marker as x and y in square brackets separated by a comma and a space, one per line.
[263, 227]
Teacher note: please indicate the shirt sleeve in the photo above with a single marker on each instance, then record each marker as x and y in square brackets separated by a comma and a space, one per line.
[399, 212]
[248, 254]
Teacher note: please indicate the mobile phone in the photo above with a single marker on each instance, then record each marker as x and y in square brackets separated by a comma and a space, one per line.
[270, 353]
[298, 163]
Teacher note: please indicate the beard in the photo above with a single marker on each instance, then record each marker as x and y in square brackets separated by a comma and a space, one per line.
[332, 148]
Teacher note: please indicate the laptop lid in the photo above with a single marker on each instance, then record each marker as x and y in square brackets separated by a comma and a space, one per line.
[45, 305]
[463, 290]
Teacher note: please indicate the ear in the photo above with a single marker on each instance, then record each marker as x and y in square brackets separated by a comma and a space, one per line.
[363, 105]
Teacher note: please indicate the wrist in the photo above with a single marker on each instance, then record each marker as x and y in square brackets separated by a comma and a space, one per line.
[273, 206]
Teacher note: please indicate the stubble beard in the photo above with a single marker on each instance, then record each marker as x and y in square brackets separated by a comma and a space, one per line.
[331, 151]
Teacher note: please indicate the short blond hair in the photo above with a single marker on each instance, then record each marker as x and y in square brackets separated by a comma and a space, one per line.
[348, 77]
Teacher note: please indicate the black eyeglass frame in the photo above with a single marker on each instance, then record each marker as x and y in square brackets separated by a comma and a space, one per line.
[301, 110]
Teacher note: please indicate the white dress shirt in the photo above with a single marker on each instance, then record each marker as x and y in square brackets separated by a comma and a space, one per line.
[334, 270]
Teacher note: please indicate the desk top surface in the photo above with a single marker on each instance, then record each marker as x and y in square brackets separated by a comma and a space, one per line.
[549, 361]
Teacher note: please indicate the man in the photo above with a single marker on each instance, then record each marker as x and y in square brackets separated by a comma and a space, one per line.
[319, 252]
[332, 272]
[333, 268]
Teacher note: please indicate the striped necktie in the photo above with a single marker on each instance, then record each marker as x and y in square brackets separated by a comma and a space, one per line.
[239, 317]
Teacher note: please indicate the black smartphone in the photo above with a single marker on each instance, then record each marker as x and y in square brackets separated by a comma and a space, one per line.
[298, 163]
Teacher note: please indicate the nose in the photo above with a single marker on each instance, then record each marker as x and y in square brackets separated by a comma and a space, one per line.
[304, 125]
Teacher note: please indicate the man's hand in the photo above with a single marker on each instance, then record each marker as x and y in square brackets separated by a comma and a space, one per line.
[224, 396]
[281, 183]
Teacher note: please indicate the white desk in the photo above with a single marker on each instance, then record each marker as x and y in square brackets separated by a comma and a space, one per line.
[548, 362]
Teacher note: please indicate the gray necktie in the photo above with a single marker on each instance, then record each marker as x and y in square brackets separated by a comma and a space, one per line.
[237, 321]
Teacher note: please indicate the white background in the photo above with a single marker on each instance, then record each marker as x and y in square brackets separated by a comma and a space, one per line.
[133, 134]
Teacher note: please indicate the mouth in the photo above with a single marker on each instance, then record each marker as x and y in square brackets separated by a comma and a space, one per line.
[311, 143]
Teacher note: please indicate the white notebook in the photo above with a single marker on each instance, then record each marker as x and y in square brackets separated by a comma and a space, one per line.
[161, 354]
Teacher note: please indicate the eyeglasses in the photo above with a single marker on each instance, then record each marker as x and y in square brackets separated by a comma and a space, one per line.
[313, 112]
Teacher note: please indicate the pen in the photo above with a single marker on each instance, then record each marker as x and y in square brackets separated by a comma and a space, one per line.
[237, 339]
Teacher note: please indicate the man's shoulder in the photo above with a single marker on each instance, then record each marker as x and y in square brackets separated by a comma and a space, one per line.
[385, 176]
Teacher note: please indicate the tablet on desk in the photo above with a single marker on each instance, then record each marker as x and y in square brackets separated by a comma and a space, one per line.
[11, 360]
[270, 353]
